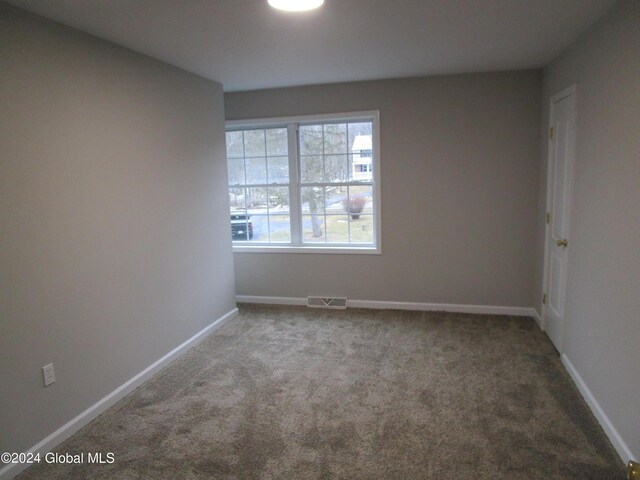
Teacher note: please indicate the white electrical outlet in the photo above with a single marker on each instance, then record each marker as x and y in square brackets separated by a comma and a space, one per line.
[48, 375]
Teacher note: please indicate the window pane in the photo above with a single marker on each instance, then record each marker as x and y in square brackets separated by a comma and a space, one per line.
[360, 200]
[234, 144]
[335, 138]
[313, 229]
[256, 171]
[236, 199]
[277, 142]
[311, 169]
[254, 145]
[362, 229]
[337, 227]
[334, 196]
[278, 169]
[278, 200]
[312, 199]
[280, 228]
[257, 200]
[235, 168]
[310, 139]
[335, 168]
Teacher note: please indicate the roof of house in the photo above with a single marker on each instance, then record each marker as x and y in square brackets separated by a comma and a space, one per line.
[361, 142]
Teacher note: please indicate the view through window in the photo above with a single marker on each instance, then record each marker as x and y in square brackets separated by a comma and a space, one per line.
[303, 183]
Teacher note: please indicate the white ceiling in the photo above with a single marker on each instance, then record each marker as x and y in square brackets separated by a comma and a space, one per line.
[245, 44]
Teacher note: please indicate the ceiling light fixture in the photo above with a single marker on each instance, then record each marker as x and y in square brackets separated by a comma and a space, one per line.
[296, 5]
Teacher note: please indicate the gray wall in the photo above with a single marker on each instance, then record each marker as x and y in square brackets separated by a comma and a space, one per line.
[460, 158]
[113, 219]
[602, 329]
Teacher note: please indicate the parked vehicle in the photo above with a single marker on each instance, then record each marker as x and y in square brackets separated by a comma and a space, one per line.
[241, 226]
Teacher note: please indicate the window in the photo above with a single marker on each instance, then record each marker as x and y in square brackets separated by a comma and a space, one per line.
[305, 184]
[258, 166]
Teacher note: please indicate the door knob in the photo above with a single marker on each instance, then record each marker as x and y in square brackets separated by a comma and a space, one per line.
[562, 243]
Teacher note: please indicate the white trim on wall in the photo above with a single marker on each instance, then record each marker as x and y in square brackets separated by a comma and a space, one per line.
[47, 444]
[382, 305]
[322, 117]
[614, 436]
[538, 318]
[442, 307]
[271, 300]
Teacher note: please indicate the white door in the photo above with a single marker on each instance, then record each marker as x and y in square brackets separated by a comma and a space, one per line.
[562, 142]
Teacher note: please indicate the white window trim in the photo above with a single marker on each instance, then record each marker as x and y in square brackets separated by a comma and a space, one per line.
[374, 117]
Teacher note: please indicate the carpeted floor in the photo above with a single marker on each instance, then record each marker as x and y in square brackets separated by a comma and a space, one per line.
[294, 393]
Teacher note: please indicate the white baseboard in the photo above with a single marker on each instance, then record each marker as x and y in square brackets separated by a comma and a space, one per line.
[382, 305]
[442, 307]
[536, 316]
[616, 439]
[271, 300]
[47, 444]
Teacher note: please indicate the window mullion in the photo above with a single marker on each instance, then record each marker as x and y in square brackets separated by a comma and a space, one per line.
[295, 205]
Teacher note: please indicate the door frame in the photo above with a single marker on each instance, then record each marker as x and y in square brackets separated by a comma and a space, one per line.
[572, 90]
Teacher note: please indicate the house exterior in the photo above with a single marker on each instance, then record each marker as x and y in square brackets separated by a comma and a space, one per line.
[361, 160]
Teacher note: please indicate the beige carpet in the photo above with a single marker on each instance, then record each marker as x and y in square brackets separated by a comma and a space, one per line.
[293, 393]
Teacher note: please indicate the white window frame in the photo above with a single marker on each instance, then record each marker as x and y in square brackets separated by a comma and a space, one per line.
[291, 123]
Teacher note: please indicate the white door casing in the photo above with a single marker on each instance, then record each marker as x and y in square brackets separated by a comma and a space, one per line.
[562, 152]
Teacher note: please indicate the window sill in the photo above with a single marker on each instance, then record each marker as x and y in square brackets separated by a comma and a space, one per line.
[367, 250]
